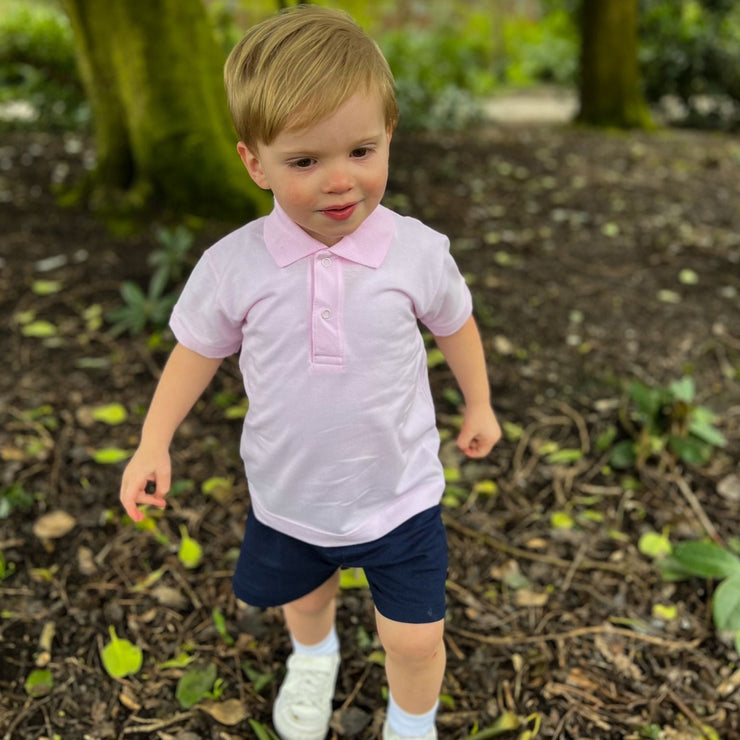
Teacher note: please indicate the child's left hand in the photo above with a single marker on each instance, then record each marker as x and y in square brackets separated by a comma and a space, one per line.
[480, 431]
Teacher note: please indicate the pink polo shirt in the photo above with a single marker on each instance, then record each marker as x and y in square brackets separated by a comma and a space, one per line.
[340, 444]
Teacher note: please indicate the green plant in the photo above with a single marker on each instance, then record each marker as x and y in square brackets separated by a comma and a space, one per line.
[690, 49]
[440, 72]
[39, 83]
[172, 257]
[710, 560]
[666, 418]
[143, 309]
[14, 498]
[151, 309]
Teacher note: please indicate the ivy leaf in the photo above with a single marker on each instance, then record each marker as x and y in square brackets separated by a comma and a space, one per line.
[195, 685]
[120, 657]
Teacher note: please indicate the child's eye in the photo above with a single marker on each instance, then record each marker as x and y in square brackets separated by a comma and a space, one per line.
[361, 151]
[302, 164]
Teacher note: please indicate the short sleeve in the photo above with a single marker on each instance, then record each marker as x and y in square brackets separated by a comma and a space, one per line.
[200, 321]
[451, 304]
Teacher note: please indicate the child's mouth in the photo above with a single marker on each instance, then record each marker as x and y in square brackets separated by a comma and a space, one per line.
[341, 213]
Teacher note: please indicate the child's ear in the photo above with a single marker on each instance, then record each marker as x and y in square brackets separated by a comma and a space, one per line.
[252, 163]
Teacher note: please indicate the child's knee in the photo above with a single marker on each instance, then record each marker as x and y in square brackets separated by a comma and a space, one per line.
[411, 642]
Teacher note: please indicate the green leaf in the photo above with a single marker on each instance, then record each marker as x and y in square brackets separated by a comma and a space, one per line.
[260, 681]
[110, 455]
[683, 390]
[120, 657]
[688, 277]
[110, 413]
[561, 520]
[665, 612]
[220, 622]
[39, 683]
[133, 295]
[39, 329]
[353, 578]
[564, 456]
[195, 685]
[690, 450]
[706, 559]
[46, 287]
[190, 553]
[623, 455]
[262, 732]
[435, 357]
[218, 488]
[703, 428]
[726, 604]
[654, 545]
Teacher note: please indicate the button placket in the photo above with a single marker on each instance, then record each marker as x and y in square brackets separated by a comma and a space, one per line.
[326, 339]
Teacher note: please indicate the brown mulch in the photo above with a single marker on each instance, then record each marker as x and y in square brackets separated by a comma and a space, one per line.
[595, 258]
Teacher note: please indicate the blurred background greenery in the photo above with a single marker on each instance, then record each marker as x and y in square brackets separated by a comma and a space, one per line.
[448, 57]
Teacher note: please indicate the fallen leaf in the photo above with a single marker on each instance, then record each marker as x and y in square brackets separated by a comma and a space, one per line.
[127, 698]
[86, 561]
[171, 597]
[729, 487]
[54, 525]
[526, 597]
[230, 712]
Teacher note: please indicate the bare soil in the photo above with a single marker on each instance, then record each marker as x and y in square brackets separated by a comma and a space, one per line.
[595, 258]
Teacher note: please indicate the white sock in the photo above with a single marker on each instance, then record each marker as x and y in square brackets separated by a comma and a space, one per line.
[409, 725]
[328, 646]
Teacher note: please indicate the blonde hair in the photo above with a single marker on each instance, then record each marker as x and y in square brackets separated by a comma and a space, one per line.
[298, 67]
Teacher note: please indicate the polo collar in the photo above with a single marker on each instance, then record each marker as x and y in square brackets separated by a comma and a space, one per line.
[368, 245]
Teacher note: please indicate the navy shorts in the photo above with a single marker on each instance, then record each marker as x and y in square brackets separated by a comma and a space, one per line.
[406, 568]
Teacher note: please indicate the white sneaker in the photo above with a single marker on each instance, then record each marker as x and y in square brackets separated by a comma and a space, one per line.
[390, 735]
[303, 706]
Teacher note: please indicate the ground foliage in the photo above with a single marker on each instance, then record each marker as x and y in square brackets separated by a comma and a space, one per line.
[595, 258]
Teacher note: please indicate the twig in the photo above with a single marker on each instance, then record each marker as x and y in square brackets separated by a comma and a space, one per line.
[580, 423]
[697, 508]
[358, 687]
[602, 629]
[154, 725]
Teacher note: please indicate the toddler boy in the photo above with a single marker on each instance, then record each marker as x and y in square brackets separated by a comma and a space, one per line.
[322, 298]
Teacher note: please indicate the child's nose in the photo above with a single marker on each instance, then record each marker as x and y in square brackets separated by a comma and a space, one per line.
[338, 180]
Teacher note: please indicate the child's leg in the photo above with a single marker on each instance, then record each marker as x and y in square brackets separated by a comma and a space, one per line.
[415, 662]
[311, 618]
[303, 707]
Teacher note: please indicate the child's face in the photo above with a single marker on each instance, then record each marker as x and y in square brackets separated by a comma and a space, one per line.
[328, 177]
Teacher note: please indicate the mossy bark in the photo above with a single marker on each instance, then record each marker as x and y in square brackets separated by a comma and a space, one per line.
[153, 74]
[610, 90]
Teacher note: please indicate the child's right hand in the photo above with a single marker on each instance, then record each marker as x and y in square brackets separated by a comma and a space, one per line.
[146, 481]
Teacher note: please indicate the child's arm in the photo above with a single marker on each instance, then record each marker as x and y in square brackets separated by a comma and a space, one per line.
[463, 351]
[184, 378]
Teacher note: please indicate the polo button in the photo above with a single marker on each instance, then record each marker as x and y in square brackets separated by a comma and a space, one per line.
[326, 262]
[326, 314]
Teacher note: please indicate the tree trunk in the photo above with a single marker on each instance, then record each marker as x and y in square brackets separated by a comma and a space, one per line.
[153, 74]
[610, 89]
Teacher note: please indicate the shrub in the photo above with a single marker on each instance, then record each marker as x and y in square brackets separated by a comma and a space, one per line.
[692, 51]
[37, 66]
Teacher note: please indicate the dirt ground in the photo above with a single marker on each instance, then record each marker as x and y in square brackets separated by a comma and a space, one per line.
[595, 258]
